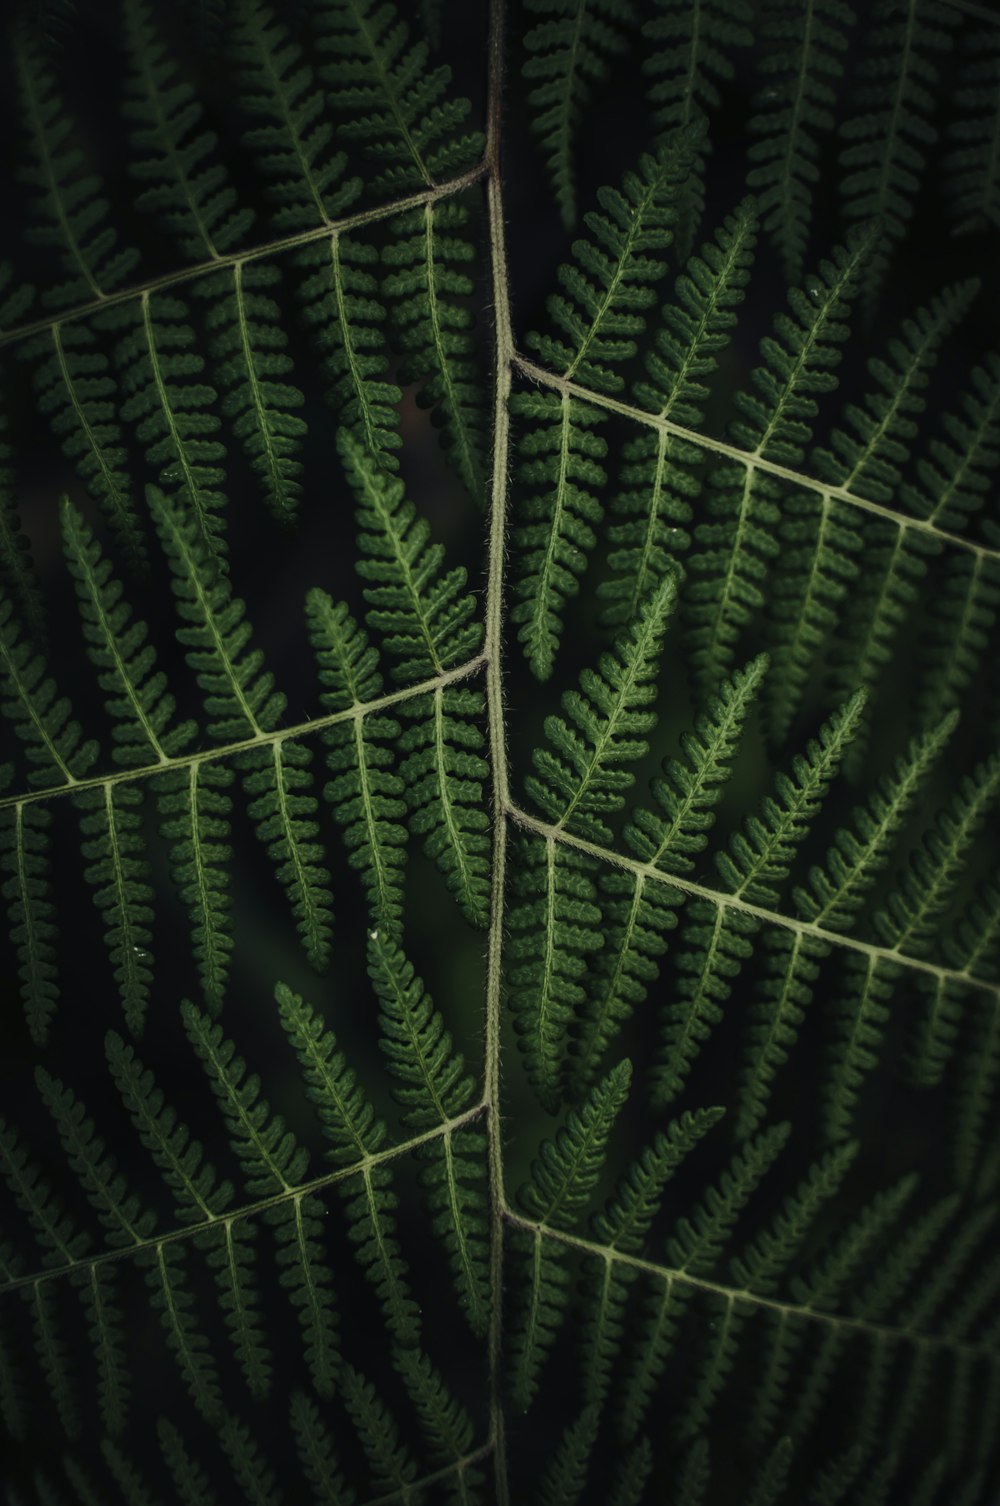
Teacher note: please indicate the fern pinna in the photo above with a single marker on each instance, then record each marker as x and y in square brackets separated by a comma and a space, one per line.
[499, 570]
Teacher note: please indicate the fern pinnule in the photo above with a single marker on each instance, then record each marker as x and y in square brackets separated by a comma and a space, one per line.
[433, 1089]
[390, 101]
[695, 1246]
[273, 1163]
[718, 939]
[429, 290]
[42, 719]
[354, 1134]
[188, 189]
[565, 1474]
[688, 54]
[251, 365]
[119, 872]
[562, 1180]
[801, 70]
[340, 300]
[568, 51]
[172, 410]
[624, 1225]
[79, 395]
[25, 859]
[365, 792]
[726, 578]
[890, 129]
[578, 781]
[312, 1440]
[393, 1467]
[72, 216]
[971, 176]
[444, 1422]
[657, 483]
[427, 623]
[638, 913]
[295, 144]
[598, 316]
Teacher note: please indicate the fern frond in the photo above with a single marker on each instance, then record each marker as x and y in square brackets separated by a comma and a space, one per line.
[252, 365]
[606, 291]
[696, 1245]
[562, 1180]
[725, 585]
[433, 1088]
[365, 792]
[71, 214]
[639, 914]
[429, 293]
[173, 413]
[426, 620]
[137, 699]
[354, 1134]
[18, 579]
[852, 865]
[578, 782]
[238, 695]
[568, 52]
[792, 962]
[444, 1422]
[687, 54]
[195, 810]
[25, 846]
[273, 1162]
[597, 319]
[657, 484]
[565, 1475]
[315, 1450]
[624, 1225]
[391, 102]
[41, 719]
[859, 1015]
[255, 1478]
[78, 393]
[188, 190]
[633, 1475]
[803, 67]
[960, 618]
[119, 871]
[758, 859]
[971, 172]
[340, 299]
[392, 1466]
[891, 129]
[719, 939]
[555, 926]
[199, 1197]
[295, 144]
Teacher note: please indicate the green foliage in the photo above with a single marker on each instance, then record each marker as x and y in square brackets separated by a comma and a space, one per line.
[600, 1146]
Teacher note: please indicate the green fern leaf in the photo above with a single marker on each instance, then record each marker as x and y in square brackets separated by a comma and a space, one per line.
[597, 317]
[657, 484]
[72, 217]
[725, 586]
[802, 68]
[562, 1179]
[272, 1163]
[390, 100]
[25, 847]
[172, 413]
[340, 299]
[393, 1469]
[80, 396]
[425, 619]
[294, 145]
[638, 913]
[970, 174]
[355, 1135]
[187, 190]
[429, 298]
[568, 52]
[624, 1225]
[258, 1482]
[41, 719]
[119, 872]
[252, 364]
[316, 1452]
[365, 793]
[565, 1475]
[435, 1090]
[195, 810]
[688, 54]
[890, 130]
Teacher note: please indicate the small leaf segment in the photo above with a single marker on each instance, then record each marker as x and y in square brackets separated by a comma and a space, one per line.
[596, 320]
[578, 781]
